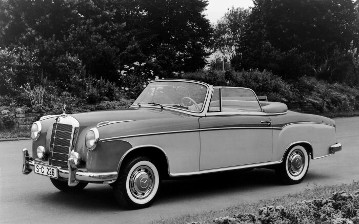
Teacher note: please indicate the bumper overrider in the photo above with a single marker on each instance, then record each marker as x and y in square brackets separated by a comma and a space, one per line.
[72, 174]
[335, 148]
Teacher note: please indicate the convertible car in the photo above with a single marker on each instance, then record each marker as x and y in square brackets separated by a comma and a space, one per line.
[176, 128]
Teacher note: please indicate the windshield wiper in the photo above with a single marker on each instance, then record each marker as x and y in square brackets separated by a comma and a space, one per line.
[179, 106]
[156, 104]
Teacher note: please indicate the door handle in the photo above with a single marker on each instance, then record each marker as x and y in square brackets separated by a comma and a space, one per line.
[266, 122]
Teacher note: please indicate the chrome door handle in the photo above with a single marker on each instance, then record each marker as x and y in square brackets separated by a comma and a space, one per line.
[266, 122]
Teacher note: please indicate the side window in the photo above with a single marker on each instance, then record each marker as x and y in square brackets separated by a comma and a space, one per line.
[215, 104]
[239, 99]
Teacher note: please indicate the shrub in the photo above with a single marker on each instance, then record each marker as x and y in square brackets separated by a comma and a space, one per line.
[134, 78]
[263, 83]
[341, 207]
[35, 95]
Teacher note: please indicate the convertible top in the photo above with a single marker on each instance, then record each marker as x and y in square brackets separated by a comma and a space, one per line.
[273, 107]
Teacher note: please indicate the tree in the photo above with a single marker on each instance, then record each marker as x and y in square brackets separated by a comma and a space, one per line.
[105, 35]
[177, 25]
[304, 33]
[228, 31]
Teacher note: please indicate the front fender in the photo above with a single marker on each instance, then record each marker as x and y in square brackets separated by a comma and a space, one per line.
[106, 156]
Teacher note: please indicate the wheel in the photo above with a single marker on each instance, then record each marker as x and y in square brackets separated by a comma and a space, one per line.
[192, 101]
[63, 186]
[137, 184]
[295, 165]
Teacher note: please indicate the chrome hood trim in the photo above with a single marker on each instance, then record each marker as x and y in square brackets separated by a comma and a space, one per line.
[105, 123]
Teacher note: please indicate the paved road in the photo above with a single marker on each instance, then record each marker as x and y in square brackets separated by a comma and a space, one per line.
[32, 198]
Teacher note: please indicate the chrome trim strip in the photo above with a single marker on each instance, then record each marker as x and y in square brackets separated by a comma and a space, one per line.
[139, 147]
[83, 175]
[304, 122]
[208, 129]
[247, 113]
[182, 131]
[321, 157]
[225, 169]
[61, 153]
[105, 123]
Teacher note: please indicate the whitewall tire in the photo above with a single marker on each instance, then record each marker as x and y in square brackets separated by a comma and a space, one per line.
[137, 184]
[295, 165]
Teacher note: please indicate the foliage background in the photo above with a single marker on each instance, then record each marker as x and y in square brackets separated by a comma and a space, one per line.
[100, 54]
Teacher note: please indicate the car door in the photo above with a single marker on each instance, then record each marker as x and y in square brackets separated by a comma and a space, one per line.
[236, 133]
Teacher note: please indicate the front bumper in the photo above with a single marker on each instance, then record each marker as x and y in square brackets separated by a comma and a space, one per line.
[72, 174]
[335, 148]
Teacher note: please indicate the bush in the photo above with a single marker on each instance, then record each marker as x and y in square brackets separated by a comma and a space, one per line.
[263, 83]
[134, 78]
[341, 207]
[8, 122]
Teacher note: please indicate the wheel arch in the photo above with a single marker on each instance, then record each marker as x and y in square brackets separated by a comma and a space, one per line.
[153, 152]
[307, 146]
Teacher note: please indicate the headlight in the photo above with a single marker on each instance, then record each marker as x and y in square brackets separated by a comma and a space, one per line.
[40, 152]
[91, 139]
[35, 130]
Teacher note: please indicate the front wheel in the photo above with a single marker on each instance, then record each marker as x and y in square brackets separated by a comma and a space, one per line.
[295, 165]
[63, 186]
[137, 184]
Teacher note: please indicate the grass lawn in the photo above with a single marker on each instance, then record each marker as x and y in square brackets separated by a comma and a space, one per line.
[287, 200]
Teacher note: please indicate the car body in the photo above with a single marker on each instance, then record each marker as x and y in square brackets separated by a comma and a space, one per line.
[176, 128]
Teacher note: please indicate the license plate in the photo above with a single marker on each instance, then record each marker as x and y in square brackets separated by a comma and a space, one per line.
[46, 170]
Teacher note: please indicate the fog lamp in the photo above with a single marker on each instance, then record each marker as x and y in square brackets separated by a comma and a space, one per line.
[35, 130]
[40, 152]
[75, 157]
[91, 138]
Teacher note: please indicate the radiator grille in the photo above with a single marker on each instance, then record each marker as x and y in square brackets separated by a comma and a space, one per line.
[60, 144]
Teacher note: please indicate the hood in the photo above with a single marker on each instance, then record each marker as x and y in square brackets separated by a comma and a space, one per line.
[132, 114]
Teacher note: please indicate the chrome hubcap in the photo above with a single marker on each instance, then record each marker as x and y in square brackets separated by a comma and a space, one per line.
[296, 162]
[141, 182]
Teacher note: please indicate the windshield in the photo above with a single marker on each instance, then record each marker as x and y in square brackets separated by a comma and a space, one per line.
[181, 95]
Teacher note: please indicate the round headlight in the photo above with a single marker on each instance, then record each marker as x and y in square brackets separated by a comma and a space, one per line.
[40, 152]
[91, 139]
[35, 130]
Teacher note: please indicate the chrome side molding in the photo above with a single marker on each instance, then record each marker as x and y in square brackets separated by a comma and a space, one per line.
[226, 169]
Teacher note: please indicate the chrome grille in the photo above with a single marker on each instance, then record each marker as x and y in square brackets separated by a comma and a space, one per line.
[60, 144]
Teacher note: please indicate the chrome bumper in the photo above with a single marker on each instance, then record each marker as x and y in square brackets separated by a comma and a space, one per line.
[335, 148]
[73, 175]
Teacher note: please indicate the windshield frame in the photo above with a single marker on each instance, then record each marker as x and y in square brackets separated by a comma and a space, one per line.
[203, 110]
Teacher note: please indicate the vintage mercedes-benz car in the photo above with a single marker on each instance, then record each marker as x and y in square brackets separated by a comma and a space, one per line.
[176, 128]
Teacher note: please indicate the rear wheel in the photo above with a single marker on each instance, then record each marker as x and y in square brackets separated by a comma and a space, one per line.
[63, 186]
[295, 165]
[137, 184]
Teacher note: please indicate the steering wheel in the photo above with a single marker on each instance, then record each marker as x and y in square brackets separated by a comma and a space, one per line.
[192, 101]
